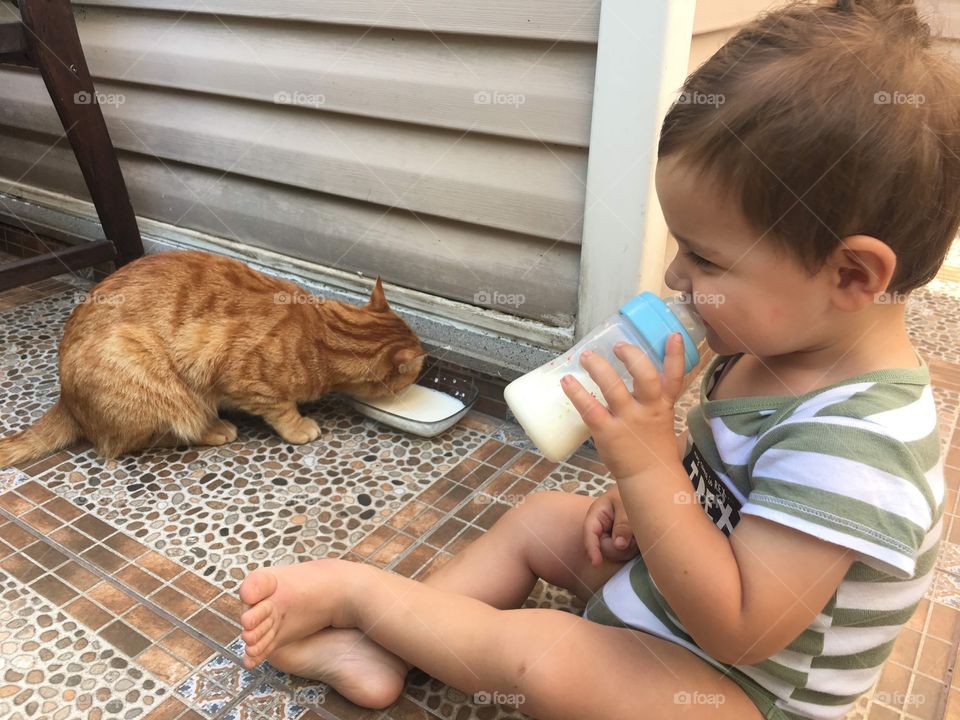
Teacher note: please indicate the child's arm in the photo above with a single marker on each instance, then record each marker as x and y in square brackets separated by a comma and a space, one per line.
[742, 599]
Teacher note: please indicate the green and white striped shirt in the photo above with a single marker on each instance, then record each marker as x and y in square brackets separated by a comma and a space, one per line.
[856, 463]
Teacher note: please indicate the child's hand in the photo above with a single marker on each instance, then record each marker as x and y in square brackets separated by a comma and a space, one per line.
[634, 433]
[606, 530]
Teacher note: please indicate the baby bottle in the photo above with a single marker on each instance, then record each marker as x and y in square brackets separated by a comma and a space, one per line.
[537, 400]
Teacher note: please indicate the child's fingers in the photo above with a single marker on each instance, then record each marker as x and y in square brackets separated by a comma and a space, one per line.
[595, 523]
[646, 381]
[616, 394]
[591, 410]
[673, 365]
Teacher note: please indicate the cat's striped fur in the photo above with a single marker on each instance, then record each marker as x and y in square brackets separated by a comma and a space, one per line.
[157, 347]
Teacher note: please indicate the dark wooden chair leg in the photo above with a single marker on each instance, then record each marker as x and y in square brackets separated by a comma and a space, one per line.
[54, 47]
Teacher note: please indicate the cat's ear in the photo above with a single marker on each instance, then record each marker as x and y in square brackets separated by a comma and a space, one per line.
[378, 301]
[406, 360]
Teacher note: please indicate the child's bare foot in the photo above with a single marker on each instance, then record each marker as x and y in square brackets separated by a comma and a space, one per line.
[351, 663]
[290, 602]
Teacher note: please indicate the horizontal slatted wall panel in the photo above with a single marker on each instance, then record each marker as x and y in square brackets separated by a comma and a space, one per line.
[442, 145]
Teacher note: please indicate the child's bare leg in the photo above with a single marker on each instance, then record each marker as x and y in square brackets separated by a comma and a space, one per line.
[549, 663]
[542, 537]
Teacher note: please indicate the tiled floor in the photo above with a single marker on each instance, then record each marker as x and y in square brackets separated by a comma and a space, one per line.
[118, 580]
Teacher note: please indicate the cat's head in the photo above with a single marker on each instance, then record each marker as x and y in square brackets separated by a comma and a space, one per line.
[394, 357]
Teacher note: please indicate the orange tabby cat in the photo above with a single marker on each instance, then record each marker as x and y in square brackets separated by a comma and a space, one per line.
[161, 344]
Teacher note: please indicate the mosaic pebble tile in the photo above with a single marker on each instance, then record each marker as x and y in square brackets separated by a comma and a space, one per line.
[53, 668]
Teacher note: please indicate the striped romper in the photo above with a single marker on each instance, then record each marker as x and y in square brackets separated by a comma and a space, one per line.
[857, 464]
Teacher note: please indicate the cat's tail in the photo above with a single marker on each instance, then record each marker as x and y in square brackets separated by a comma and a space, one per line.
[55, 430]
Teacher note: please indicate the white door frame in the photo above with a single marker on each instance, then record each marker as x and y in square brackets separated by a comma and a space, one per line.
[642, 59]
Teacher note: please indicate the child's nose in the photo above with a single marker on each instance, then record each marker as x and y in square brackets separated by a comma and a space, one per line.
[676, 280]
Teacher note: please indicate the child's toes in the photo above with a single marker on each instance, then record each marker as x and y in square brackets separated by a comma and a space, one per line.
[256, 615]
[257, 586]
[253, 636]
[261, 647]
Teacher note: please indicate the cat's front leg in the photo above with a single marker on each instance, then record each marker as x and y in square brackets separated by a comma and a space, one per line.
[290, 424]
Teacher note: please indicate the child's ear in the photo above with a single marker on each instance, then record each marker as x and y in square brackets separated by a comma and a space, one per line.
[378, 301]
[861, 268]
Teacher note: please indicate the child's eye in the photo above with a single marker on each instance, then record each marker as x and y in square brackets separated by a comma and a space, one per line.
[698, 260]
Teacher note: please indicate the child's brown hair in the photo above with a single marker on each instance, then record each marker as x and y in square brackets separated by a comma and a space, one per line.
[830, 120]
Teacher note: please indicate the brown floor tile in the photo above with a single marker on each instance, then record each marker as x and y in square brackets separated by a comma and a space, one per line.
[417, 558]
[487, 449]
[94, 527]
[460, 542]
[935, 657]
[406, 709]
[125, 546]
[489, 516]
[5, 550]
[522, 464]
[480, 475]
[422, 523]
[193, 715]
[159, 565]
[539, 472]
[943, 622]
[72, 539]
[45, 555]
[924, 698]
[229, 606]
[588, 464]
[405, 514]
[438, 561]
[105, 559]
[63, 509]
[210, 625]
[459, 471]
[163, 665]
[186, 647]
[175, 602]
[445, 533]
[457, 494]
[137, 580]
[147, 622]
[500, 483]
[391, 549]
[919, 617]
[14, 504]
[894, 681]
[79, 577]
[22, 568]
[117, 601]
[194, 585]
[35, 492]
[16, 537]
[86, 612]
[46, 463]
[124, 638]
[440, 488]
[169, 709]
[54, 590]
[373, 541]
[42, 521]
[503, 456]
[906, 647]
[472, 509]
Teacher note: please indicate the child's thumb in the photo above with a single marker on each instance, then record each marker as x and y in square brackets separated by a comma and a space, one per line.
[621, 535]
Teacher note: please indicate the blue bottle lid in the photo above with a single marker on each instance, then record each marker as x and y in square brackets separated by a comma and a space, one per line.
[654, 321]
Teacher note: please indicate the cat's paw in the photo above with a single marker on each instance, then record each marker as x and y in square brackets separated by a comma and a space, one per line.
[220, 432]
[303, 431]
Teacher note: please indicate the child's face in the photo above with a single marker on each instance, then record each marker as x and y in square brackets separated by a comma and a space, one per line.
[753, 297]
